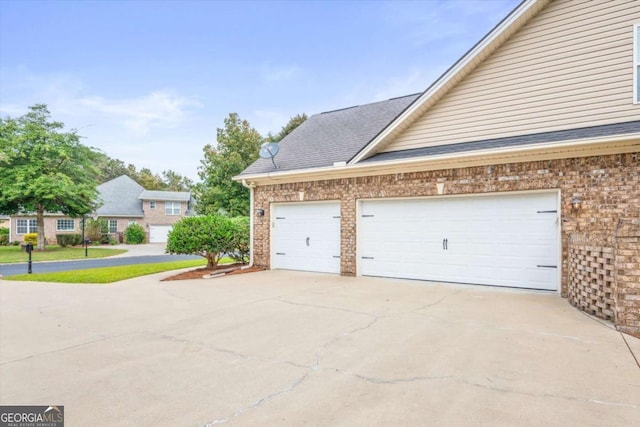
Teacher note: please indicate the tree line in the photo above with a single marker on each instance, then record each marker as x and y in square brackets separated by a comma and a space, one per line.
[44, 168]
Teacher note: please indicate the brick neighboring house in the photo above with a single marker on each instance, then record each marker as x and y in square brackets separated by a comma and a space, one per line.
[518, 167]
[124, 201]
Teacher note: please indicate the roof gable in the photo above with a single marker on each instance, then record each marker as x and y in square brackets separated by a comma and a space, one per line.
[119, 197]
[567, 68]
[463, 67]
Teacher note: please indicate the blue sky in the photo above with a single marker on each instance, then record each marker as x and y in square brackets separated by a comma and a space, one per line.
[149, 82]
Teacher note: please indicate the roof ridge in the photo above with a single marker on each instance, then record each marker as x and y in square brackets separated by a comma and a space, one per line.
[371, 103]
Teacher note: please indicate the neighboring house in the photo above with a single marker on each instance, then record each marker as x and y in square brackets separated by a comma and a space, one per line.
[124, 202]
[519, 167]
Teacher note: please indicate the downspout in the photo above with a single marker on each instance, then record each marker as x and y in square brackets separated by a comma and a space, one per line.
[250, 187]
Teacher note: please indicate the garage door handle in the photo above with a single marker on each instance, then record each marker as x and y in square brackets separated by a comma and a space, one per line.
[307, 241]
[445, 244]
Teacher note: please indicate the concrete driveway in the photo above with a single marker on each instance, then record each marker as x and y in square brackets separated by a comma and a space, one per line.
[288, 348]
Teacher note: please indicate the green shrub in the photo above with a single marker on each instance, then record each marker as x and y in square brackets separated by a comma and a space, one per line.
[95, 229]
[241, 243]
[4, 236]
[31, 238]
[134, 234]
[65, 240]
[210, 236]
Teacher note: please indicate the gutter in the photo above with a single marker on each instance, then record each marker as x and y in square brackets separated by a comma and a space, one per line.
[250, 186]
[438, 161]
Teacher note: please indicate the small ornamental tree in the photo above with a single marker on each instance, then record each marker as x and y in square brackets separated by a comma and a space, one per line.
[210, 236]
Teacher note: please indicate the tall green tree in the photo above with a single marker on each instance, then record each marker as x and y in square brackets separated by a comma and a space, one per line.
[45, 169]
[173, 181]
[293, 123]
[237, 147]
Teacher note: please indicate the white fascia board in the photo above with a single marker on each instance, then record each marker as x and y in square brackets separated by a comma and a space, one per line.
[458, 68]
[447, 160]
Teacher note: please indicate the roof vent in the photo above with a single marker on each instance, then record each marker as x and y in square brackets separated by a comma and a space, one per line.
[339, 164]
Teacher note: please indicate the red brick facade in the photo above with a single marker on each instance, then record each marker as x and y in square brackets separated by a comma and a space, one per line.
[609, 187]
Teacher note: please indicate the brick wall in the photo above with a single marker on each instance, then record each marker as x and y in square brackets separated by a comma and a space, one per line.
[591, 281]
[609, 187]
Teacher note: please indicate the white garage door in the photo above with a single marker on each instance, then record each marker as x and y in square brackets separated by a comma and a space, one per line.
[506, 240]
[306, 236]
[159, 233]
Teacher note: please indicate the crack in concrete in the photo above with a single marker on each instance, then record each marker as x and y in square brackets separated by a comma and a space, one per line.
[433, 304]
[630, 350]
[544, 395]
[55, 350]
[260, 401]
[325, 307]
[168, 292]
[377, 380]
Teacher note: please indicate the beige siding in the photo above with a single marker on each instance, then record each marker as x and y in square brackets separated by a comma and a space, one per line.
[569, 67]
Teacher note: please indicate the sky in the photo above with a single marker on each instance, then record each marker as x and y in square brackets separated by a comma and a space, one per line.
[149, 82]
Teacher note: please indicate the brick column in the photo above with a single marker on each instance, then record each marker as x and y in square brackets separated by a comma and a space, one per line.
[627, 292]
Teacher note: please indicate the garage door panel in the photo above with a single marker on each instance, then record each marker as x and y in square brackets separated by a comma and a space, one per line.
[306, 237]
[494, 240]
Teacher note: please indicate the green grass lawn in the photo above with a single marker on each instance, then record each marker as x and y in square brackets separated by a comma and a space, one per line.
[108, 274]
[10, 254]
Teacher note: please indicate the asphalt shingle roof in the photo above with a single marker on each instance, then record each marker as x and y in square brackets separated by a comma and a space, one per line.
[176, 196]
[120, 198]
[334, 136]
[512, 141]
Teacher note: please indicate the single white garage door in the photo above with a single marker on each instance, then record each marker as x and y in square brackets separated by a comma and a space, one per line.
[306, 236]
[506, 240]
[159, 233]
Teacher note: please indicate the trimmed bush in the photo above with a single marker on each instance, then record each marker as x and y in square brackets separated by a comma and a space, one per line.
[31, 238]
[210, 236]
[65, 240]
[134, 234]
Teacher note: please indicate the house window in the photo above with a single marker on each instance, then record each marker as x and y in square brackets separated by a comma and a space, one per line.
[152, 204]
[172, 208]
[636, 63]
[24, 226]
[65, 225]
[112, 226]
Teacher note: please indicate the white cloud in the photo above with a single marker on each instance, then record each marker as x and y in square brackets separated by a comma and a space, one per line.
[160, 129]
[266, 121]
[273, 73]
[158, 109]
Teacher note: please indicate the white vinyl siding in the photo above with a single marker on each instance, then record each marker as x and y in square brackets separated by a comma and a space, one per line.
[65, 225]
[567, 68]
[172, 208]
[112, 226]
[636, 63]
[24, 226]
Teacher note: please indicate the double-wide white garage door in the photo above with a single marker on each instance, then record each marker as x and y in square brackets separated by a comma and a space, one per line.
[501, 240]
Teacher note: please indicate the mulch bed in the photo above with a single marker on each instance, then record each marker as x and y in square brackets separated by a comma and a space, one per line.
[227, 269]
